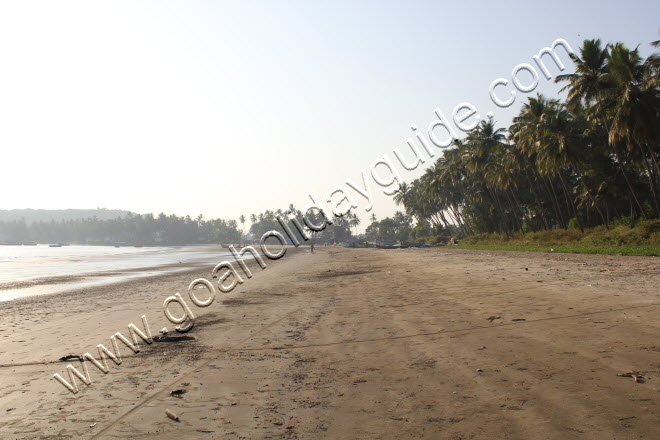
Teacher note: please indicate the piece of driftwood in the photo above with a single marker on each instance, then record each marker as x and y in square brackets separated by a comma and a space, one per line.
[636, 375]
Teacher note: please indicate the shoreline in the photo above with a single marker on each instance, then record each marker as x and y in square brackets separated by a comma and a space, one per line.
[38, 286]
[77, 283]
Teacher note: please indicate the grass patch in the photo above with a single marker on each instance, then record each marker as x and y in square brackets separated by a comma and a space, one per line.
[626, 249]
[643, 239]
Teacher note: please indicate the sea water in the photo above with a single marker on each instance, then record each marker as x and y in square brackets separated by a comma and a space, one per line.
[42, 269]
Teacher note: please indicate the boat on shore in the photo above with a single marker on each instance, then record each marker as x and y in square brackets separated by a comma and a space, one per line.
[391, 245]
[359, 245]
[55, 245]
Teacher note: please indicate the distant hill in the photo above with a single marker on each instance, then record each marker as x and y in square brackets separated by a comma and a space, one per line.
[35, 215]
[112, 227]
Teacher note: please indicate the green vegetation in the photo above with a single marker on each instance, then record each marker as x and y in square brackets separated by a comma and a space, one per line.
[137, 229]
[643, 239]
[339, 231]
[588, 167]
[396, 228]
[400, 227]
[134, 229]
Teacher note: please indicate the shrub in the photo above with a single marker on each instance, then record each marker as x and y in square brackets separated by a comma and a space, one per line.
[655, 239]
[621, 221]
[525, 227]
[435, 239]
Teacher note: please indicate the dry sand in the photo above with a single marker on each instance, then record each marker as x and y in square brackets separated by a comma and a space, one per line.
[355, 343]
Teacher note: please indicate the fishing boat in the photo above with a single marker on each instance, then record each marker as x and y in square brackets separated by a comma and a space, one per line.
[358, 245]
[390, 245]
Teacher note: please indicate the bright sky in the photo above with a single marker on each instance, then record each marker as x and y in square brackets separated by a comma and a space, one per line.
[230, 108]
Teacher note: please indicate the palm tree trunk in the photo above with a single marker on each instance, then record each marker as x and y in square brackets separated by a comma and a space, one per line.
[623, 170]
[593, 201]
[461, 220]
[607, 211]
[652, 179]
[498, 205]
[625, 176]
[538, 201]
[569, 201]
[513, 211]
[553, 193]
[524, 214]
[444, 220]
[461, 223]
[455, 218]
[653, 159]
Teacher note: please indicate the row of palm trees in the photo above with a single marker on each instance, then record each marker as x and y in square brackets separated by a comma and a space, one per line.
[341, 230]
[576, 163]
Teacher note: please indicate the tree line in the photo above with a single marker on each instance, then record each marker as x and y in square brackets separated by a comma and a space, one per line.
[341, 230]
[149, 230]
[587, 161]
[46, 215]
[133, 229]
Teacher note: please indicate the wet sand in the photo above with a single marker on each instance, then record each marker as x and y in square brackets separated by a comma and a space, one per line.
[354, 343]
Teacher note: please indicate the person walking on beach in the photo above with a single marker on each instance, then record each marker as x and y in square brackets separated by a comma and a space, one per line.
[311, 246]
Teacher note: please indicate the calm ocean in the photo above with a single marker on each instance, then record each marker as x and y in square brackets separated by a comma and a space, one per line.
[34, 267]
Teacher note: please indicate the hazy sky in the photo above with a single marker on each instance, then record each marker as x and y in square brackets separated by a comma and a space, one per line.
[229, 108]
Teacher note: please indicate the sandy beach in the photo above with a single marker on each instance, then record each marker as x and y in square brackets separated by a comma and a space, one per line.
[354, 343]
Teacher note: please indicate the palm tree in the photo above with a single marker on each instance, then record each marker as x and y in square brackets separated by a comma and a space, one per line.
[586, 84]
[653, 62]
[529, 131]
[588, 158]
[633, 103]
[242, 220]
[479, 155]
[355, 222]
[400, 194]
[606, 80]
